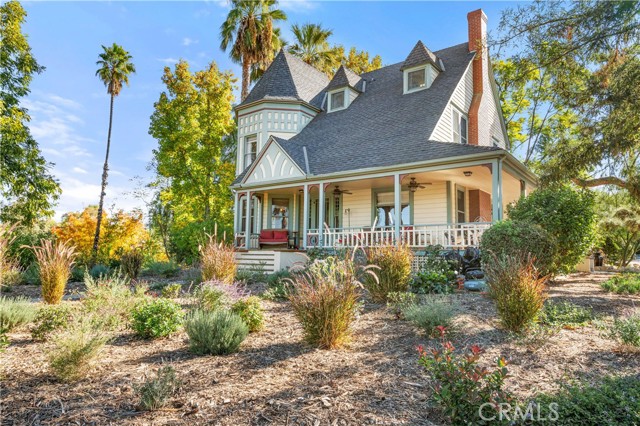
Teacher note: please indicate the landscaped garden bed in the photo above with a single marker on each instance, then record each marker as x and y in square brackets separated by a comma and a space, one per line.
[276, 378]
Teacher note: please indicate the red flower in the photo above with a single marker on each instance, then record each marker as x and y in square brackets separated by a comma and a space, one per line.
[475, 349]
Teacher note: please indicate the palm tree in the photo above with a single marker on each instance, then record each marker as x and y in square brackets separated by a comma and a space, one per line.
[115, 68]
[312, 46]
[249, 30]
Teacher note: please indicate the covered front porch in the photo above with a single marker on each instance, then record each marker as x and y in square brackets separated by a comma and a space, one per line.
[450, 205]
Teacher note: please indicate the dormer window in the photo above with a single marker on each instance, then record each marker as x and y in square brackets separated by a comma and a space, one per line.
[416, 79]
[460, 126]
[337, 100]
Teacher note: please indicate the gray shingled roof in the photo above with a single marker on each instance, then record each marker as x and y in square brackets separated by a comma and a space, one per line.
[289, 78]
[344, 77]
[382, 127]
[419, 55]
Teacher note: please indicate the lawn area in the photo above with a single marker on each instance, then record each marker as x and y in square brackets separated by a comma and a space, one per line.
[276, 378]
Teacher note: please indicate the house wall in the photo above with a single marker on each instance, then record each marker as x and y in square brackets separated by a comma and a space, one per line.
[480, 208]
[273, 164]
[430, 204]
[266, 119]
[359, 205]
[488, 113]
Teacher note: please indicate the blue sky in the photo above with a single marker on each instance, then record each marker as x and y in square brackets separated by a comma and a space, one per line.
[69, 105]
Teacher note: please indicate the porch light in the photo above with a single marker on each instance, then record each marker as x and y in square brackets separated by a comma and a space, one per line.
[467, 173]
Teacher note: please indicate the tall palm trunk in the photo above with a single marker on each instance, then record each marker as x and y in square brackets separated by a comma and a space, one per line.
[105, 173]
[246, 78]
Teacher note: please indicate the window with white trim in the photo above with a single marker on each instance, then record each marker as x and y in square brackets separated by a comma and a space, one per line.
[460, 126]
[337, 100]
[416, 79]
[250, 149]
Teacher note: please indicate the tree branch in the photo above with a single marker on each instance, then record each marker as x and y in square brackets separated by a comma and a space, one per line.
[607, 180]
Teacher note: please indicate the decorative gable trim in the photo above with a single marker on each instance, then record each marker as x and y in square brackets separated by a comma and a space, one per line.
[272, 164]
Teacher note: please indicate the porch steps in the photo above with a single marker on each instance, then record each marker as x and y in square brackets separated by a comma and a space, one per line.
[257, 260]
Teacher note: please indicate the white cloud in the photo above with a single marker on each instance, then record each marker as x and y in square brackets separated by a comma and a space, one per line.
[168, 61]
[79, 170]
[188, 41]
[64, 102]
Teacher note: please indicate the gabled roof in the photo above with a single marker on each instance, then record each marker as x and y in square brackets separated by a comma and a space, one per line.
[289, 78]
[420, 55]
[383, 127]
[344, 77]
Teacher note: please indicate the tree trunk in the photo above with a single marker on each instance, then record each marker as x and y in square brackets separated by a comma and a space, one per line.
[246, 79]
[105, 173]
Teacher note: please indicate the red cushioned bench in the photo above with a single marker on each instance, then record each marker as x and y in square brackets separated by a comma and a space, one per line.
[273, 237]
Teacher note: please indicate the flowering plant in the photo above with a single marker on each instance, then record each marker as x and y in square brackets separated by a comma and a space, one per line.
[461, 386]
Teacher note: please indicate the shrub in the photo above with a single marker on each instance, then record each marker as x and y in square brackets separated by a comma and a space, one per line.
[98, 271]
[162, 269]
[522, 239]
[565, 314]
[212, 295]
[567, 215]
[277, 285]
[15, 312]
[9, 268]
[218, 262]
[110, 299]
[155, 392]
[433, 282]
[325, 300]
[626, 330]
[131, 263]
[461, 386]
[74, 351]
[54, 262]
[434, 312]
[217, 333]
[250, 311]
[31, 275]
[394, 273]
[172, 291]
[397, 302]
[613, 401]
[517, 290]
[78, 273]
[627, 283]
[50, 319]
[156, 318]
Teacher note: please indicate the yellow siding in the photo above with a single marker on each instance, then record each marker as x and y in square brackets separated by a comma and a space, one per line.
[430, 204]
[359, 204]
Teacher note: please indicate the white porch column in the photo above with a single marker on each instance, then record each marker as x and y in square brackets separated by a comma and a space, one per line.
[236, 211]
[321, 215]
[496, 190]
[305, 216]
[397, 193]
[247, 233]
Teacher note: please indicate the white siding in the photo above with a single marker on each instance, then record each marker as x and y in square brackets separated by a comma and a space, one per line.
[273, 165]
[430, 204]
[359, 204]
[461, 98]
[491, 126]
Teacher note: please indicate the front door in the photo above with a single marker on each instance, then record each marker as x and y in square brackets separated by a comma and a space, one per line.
[461, 205]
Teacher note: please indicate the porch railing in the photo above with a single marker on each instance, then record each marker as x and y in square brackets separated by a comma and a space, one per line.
[240, 241]
[416, 236]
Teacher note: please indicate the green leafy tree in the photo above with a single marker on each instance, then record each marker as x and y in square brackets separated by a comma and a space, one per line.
[249, 31]
[195, 157]
[567, 215]
[27, 189]
[115, 69]
[620, 234]
[358, 61]
[312, 46]
[587, 52]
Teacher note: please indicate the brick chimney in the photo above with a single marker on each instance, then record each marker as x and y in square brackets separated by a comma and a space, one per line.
[477, 43]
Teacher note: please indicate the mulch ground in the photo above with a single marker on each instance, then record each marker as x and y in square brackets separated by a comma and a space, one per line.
[277, 379]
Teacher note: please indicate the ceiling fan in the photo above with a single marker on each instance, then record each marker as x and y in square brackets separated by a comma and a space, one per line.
[337, 191]
[414, 186]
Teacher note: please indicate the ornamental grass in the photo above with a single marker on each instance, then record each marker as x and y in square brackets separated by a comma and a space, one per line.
[55, 260]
